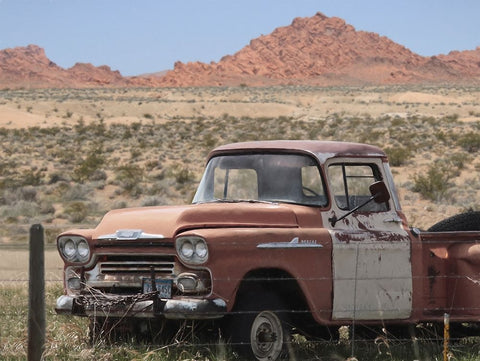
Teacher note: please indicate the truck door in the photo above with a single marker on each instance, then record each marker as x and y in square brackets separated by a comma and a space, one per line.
[372, 273]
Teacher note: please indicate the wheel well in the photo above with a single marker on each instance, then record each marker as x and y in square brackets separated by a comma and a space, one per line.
[279, 283]
[273, 281]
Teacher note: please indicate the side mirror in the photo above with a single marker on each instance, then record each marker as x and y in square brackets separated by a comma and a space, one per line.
[379, 192]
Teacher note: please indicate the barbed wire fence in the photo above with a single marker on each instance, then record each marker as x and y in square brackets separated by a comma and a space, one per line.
[382, 340]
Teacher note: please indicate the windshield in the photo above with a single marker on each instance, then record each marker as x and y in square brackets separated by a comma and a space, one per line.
[262, 177]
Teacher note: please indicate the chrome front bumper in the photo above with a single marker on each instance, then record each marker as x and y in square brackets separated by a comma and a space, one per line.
[140, 307]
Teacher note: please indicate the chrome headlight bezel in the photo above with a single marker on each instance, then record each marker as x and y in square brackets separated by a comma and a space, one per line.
[192, 249]
[74, 249]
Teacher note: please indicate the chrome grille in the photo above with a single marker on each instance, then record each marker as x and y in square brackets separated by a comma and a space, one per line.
[137, 265]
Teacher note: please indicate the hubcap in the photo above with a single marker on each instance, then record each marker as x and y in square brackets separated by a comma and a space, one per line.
[266, 336]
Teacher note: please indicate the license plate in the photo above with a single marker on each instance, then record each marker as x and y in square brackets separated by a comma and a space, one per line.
[164, 287]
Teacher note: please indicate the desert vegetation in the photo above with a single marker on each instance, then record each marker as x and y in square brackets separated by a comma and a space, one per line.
[69, 156]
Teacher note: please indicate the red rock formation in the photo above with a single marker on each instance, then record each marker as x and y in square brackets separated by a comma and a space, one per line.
[324, 51]
[464, 63]
[315, 51]
[29, 67]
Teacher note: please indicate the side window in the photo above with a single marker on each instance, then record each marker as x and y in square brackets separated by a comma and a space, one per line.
[235, 184]
[350, 186]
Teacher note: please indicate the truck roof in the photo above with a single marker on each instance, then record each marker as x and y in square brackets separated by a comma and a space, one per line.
[322, 149]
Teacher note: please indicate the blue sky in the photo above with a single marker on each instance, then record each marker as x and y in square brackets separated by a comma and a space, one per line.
[143, 36]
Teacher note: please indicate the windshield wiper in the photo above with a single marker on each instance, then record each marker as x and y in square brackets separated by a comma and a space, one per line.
[226, 200]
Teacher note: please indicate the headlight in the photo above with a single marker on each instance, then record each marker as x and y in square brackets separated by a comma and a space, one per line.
[192, 249]
[74, 249]
[69, 249]
[187, 250]
[201, 249]
[83, 249]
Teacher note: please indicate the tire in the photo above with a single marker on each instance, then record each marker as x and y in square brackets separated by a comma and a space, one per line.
[257, 329]
[469, 221]
[268, 336]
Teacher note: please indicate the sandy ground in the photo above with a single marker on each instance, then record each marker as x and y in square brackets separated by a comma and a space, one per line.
[162, 105]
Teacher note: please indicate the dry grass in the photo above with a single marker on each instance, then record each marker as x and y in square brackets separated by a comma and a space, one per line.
[14, 266]
[67, 339]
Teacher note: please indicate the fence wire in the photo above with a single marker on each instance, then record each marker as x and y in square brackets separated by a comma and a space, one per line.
[422, 342]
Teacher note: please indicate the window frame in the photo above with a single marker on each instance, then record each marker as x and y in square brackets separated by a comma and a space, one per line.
[376, 175]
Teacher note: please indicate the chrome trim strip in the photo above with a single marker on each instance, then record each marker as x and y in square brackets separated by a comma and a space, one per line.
[288, 245]
[129, 235]
[294, 243]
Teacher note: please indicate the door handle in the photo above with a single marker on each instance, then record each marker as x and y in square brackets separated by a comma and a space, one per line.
[393, 220]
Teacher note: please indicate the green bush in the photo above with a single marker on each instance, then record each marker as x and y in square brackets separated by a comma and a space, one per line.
[470, 142]
[397, 156]
[129, 176]
[434, 184]
[87, 167]
[76, 212]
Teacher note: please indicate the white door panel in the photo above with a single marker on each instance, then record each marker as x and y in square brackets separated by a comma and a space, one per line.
[372, 279]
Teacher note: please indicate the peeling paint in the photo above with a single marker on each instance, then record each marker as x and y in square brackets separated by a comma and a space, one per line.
[372, 271]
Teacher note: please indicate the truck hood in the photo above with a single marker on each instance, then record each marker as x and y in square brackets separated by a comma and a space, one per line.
[171, 220]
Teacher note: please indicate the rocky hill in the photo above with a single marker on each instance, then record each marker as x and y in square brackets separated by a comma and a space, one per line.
[316, 50]
[29, 67]
[326, 51]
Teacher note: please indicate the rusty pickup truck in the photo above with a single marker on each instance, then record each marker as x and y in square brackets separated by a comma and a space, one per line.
[281, 236]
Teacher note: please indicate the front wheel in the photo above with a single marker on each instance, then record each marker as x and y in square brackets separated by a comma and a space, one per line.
[267, 336]
[258, 327]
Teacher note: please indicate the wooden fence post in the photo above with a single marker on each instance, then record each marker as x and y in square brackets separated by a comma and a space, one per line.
[36, 300]
[446, 336]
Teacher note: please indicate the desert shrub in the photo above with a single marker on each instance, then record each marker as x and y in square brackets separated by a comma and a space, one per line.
[75, 192]
[51, 234]
[152, 164]
[11, 196]
[76, 212]
[46, 208]
[182, 175]
[398, 156]
[98, 175]
[21, 208]
[89, 165]
[30, 177]
[470, 142]
[119, 205]
[80, 127]
[56, 177]
[457, 160]
[152, 201]
[129, 176]
[28, 193]
[434, 184]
